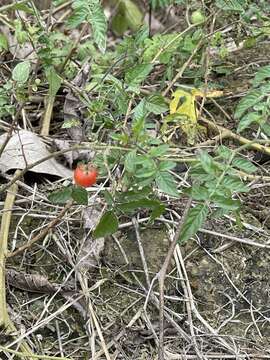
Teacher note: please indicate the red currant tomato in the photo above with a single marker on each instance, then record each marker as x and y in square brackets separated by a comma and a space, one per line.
[85, 175]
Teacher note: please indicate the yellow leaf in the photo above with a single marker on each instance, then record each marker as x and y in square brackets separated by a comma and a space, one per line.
[184, 104]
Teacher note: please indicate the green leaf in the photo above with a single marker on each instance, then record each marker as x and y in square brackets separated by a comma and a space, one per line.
[231, 5]
[136, 75]
[197, 172]
[156, 104]
[21, 72]
[3, 42]
[22, 7]
[145, 173]
[99, 26]
[160, 150]
[234, 184]
[54, 81]
[91, 11]
[140, 110]
[252, 98]
[140, 204]
[197, 192]
[157, 211]
[134, 194]
[224, 152]
[195, 219]
[108, 197]
[265, 127]
[138, 126]
[207, 162]
[77, 17]
[130, 164]
[132, 13]
[158, 41]
[107, 225]
[261, 75]
[142, 34]
[80, 195]
[166, 165]
[248, 120]
[119, 24]
[225, 203]
[166, 183]
[61, 196]
[244, 165]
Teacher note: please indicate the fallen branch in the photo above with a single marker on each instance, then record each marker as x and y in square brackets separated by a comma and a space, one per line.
[5, 321]
[162, 276]
[226, 133]
[43, 233]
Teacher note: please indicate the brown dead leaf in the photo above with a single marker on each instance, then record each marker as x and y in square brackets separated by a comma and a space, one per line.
[25, 148]
[91, 249]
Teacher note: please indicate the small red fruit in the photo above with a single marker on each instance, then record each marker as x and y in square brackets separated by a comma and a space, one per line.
[85, 175]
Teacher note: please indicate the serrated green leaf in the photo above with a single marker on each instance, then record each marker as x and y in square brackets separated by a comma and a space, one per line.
[226, 203]
[139, 204]
[158, 41]
[130, 164]
[244, 165]
[252, 98]
[136, 75]
[99, 26]
[166, 183]
[197, 192]
[207, 162]
[224, 152]
[142, 34]
[247, 120]
[265, 127]
[61, 196]
[138, 126]
[134, 194]
[145, 173]
[140, 110]
[107, 225]
[234, 184]
[195, 219]
[166, 165]
[261, 75]
[77, 17]
[21, 72]
[91, 11]
[80, 195]
[156, 104]
[197, 172]
[159, 150]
